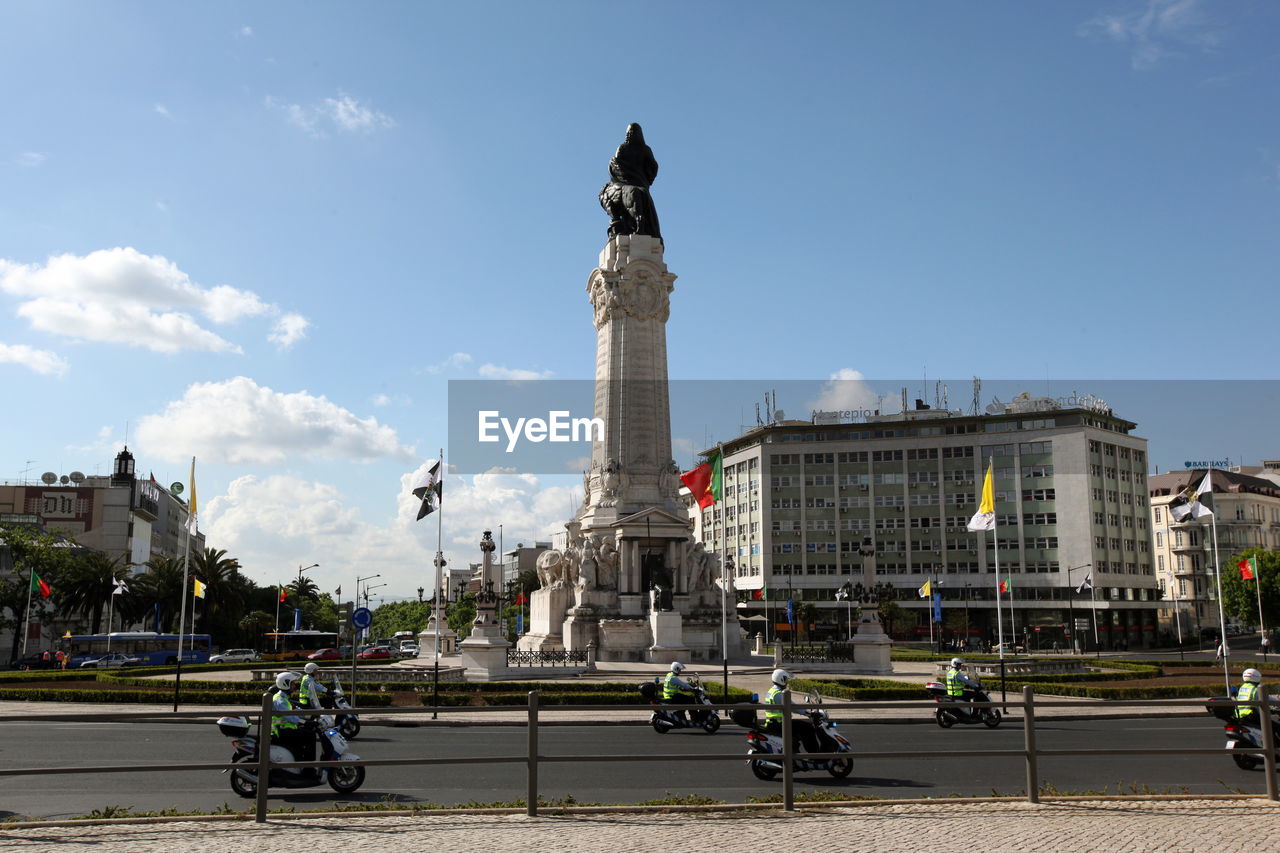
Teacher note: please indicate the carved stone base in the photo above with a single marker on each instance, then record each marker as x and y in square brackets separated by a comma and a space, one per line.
[546, 615]
[624, 639]
[668, 638]
[578, 631]
[484, 654]
[871, 645]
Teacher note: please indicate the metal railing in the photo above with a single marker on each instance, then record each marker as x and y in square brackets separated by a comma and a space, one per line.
[533, 758]
[523, 657]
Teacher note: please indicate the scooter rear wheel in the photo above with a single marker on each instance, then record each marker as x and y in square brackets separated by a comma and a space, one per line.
[761, 772]
[1246, 762]
[991, 717]
[350, 728]
[944, 719]
[243, 787]
[661, 726]
[840, 767]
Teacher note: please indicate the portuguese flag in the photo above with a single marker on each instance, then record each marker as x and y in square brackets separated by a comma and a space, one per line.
[706, 482]
[38, 585]
[1005, 585]
[1248, 568]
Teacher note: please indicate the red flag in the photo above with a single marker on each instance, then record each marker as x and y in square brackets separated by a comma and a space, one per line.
[757, 595]
[519, 599]
[39, 585]
[706, 481]
[1246, 568]
[1004, 586]
[284, 595]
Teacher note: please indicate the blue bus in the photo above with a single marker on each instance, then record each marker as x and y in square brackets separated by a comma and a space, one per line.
[150, 648]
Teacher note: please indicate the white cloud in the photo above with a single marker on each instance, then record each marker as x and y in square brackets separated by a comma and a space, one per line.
[40, 360]
[279, 521]
[162, 110]
[343, 114]
[1155, 29]
[453, 362]
[239, 421]
[245, 32]
[495, 371]
[288, 330]
[847, 390]
[30, 158]
[390, 399]
[123, 296]
[104, 445]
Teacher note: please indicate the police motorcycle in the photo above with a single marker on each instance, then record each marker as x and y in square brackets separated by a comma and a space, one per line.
[760, 743]
[338, 775]
[1241, 733]
[952, 710]
[667, 717]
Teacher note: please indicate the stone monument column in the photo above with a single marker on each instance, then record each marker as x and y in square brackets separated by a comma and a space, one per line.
[484, 653]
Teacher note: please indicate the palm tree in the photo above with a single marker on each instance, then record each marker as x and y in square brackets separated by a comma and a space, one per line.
[304, 588]
[88, 584]
[159, 587]
[225, 592]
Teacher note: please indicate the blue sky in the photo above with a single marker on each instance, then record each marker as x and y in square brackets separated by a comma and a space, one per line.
[267, 235]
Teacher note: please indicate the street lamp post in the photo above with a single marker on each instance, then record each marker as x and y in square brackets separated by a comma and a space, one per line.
[355, 602]
[1071, 604]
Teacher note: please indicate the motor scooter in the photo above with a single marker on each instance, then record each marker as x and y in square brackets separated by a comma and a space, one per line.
[1242, 733]
[761, 743]
[341, 777]
[348, 724]
[667, 717]
[951, 711]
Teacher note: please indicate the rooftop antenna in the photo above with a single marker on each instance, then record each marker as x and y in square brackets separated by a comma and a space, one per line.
[937, 393]
[25, 471]
[758, 421]
[977, 394]
[904, 400]
[946, 404]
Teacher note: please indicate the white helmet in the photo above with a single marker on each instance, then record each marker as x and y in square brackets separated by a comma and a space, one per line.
[957, 662]
[312, 668]
[677, 667]
[1252, 675]
[781, 677]
[285, 680]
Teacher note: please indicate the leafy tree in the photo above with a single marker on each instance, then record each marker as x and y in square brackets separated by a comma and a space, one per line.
[23, 550]
[159, 587]
[400, 616]
[1240, 597]
[225, 595]
[254, 624]
[303, 588]
[890, 613]
[462, 614]
[805, 614]
[86, 585]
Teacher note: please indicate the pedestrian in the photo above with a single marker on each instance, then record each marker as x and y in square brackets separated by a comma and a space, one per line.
[1266, 645]
[1217, 652]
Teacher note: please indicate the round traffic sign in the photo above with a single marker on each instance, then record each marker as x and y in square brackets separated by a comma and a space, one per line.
[362, 617]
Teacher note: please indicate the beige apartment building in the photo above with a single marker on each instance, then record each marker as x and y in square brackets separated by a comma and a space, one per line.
[808, 505]
[1247, 511]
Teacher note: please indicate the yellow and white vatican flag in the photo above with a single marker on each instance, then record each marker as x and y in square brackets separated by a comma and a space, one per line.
[925, 590]
[985, 517]
[198, 589]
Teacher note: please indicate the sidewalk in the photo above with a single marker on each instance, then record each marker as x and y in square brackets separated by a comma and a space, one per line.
[1213, 826]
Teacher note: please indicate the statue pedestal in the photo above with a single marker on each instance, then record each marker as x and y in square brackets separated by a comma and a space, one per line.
[484, 654]
[546, 616]
[668, 638]
[448, 637]
[871, 646]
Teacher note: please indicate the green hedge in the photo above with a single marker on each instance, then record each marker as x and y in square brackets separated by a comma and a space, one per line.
[864, 689]
[155, 697]
[49, 675]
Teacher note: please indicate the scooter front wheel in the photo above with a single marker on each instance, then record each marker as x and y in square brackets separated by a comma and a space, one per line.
[350, 728]
[944, 719]
[661, 726]
[346, 779]
[991, 717]
[242, 785]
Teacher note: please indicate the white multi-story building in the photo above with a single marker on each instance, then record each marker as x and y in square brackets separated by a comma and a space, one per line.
[1247, 511]
[808, 505]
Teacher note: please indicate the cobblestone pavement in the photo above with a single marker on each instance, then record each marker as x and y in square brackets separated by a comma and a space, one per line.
[1221, 826]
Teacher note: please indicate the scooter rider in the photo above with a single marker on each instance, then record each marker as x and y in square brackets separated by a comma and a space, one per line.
[958, 682]
[675, 690]
[309, 689]
[1248, 692]
[290, 730]
[802, 731]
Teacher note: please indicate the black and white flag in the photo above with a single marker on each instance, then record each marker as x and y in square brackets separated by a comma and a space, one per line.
[429, 489]
[1085, 584]
[1190, 503]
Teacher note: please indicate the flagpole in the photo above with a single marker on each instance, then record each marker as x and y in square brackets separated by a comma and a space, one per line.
[111, 603]
[1262, 626]
[1217, 577]
[26, 619]
[995, 556]
[1093, 605]
[186, 561]
[435, 689]
[724, 575]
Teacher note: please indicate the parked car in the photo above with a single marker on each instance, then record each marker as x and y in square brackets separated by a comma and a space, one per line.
[111, 661]
[375, 653]
[35, 661]
[235, 656]
[409, 650]
[325, 654]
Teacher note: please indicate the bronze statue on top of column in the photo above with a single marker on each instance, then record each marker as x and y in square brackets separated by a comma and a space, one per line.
[626, 197]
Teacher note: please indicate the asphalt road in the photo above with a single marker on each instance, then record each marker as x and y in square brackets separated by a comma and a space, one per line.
[78, 744]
